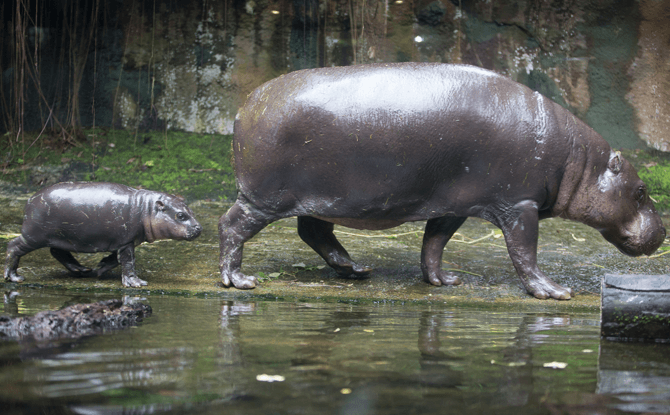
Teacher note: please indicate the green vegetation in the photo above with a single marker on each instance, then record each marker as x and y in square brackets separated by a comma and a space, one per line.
[196, 166]
[657, 178]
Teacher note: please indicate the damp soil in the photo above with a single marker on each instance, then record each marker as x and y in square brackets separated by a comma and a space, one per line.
[570, 253]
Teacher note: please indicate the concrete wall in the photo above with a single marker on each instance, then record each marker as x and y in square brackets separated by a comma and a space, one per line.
[190, 65]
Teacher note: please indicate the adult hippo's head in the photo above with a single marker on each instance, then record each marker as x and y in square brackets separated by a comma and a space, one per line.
[618, 205]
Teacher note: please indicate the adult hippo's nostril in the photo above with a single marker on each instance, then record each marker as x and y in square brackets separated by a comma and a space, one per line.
[655, 242]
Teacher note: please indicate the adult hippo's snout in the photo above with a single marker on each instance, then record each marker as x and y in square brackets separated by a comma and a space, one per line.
[644, 237]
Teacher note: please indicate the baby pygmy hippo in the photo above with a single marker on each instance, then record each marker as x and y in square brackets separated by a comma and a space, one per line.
[98, 217]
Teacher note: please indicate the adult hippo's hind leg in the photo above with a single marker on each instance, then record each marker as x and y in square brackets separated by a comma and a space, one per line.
[438, 232]
[69, 262]
[236, 227]
[521, 232]
[318, 234]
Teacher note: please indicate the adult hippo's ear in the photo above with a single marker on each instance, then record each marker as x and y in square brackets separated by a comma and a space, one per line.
[616, 162]
[160, 206]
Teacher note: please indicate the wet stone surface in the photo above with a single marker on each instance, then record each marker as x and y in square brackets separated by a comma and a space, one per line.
[570, 253]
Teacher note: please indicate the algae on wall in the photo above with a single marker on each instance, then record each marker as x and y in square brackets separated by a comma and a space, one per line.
[189, 65]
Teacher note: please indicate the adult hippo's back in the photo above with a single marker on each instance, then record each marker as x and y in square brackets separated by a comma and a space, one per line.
[374, 146]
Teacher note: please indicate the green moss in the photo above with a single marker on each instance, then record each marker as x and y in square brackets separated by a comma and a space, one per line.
[196, 166]
[657, 179]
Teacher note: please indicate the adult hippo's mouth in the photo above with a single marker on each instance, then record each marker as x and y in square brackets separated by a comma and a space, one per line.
[638, 244]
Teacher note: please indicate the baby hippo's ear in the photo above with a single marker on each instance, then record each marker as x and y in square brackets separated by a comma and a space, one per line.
[616, 162]
[160, 206]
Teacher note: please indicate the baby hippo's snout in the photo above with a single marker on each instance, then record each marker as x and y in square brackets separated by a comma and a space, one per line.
[194, 231]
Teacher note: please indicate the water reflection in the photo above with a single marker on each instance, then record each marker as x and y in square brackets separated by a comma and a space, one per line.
[638, 374]
[207, 355]
[9, 303]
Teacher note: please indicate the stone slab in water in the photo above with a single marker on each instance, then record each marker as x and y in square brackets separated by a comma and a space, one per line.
[635, 307]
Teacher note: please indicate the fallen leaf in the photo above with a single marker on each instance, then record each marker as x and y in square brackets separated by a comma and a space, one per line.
[556, 365]
[578, 239]
[270, 378]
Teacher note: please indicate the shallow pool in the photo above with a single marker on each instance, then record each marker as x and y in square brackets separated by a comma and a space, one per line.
[220, 356]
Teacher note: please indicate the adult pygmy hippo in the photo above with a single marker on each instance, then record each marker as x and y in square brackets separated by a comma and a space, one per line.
[374, 146]
[98, 217]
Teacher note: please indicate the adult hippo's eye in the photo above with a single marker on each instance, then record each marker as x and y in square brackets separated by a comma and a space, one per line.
[641, 194]
[181, 216]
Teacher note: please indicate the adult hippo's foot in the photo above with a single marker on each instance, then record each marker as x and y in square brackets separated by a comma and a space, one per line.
[347, 270]
[549, 289]
[318, 234]
[443, 278]
[544, 288]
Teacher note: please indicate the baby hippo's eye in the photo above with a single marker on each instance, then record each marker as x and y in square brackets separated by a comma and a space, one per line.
[181, 216]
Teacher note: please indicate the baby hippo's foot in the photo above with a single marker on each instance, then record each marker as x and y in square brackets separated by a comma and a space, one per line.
[133, 281]
[443, 278]
[238, 280]
[13, 276]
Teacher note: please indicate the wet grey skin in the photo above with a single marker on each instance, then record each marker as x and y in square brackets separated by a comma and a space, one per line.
[98, 217]
[374, 146]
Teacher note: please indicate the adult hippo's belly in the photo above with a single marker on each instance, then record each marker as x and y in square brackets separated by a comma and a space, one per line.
[374, 146]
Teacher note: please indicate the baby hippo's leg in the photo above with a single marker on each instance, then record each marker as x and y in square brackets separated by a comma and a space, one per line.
[16, 248]
[127, 259]
[109, 262]
[69, 262]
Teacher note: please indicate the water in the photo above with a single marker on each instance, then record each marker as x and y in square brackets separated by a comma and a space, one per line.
[211, 355]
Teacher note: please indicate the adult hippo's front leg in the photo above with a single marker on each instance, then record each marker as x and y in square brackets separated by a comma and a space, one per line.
[236, 227]
[520, 228]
